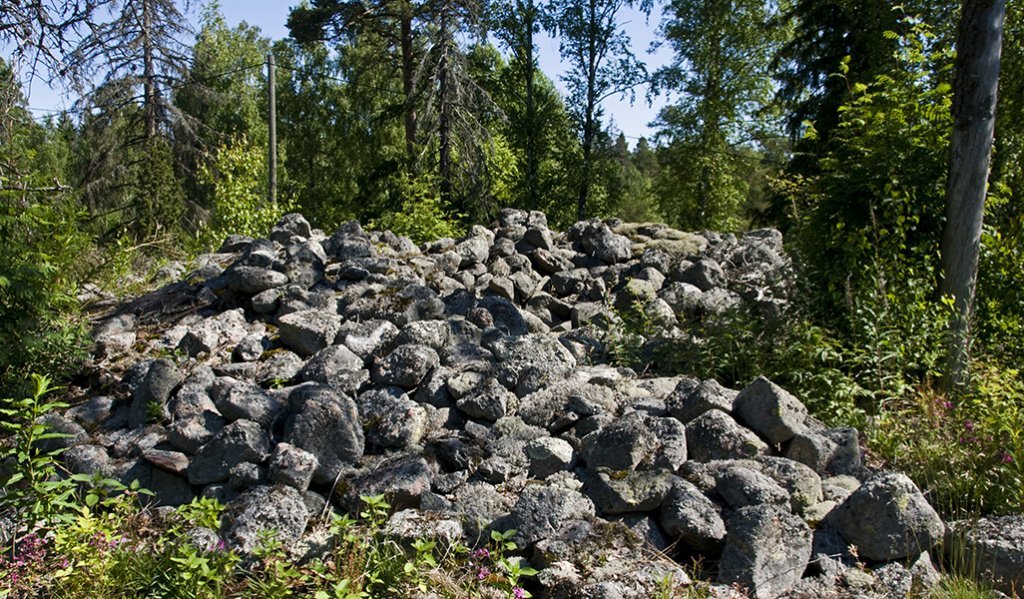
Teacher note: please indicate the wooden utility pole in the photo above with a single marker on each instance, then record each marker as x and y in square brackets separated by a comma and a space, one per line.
[272, 144]
[976, 77]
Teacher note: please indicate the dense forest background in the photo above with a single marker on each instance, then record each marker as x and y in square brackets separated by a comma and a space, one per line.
[828, 119]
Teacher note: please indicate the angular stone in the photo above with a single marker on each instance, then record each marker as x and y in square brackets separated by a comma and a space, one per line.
[262, 509]
[690, 399]
[240, 441]
[742, 487]
[326, 424]
[405, 366]
[238, 400]
[687, 515]
[402, 479]
[615, 494]
[390, 419]
[770, 411]
[541, 511]
[714, 435]
[292, 466]
[367, 338]
[766, 551]
[253, 279]
[226, 328]
[487, 401]
[549, 455]
[152, 394]
[308, 331]
[888, 518]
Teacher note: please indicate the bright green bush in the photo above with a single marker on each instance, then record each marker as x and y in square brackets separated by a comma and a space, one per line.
[422, 217]
[237, 175]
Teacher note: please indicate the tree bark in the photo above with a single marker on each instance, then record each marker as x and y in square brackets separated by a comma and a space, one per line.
[444, 117]
[531, 112]
[588, 118]
[408, 84]
[148, 71]
[976, 78]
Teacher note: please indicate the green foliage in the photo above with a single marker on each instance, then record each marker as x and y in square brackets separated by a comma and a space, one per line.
[969, 456]
[238, 179]
[32, 487]
[876, 207]
[422, 216]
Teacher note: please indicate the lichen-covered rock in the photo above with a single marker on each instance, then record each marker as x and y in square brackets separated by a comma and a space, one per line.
[888, 518]
[995, 546]
[766, 551]
[240, 441]
[292, 466]
[262, 509]
[326, 424]
[405, 366]
[543, 510]
[714, 435]
[308, 331]
[614, 493]
[770, 411]
[688, 516]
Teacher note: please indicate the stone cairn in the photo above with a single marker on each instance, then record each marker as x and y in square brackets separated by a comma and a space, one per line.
[465, 380]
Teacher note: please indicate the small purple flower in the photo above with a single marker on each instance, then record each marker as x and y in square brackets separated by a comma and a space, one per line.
[483, 573]
[1007, 458]
[518, 592]
[482, 553]
[968, 425]
[947, 405]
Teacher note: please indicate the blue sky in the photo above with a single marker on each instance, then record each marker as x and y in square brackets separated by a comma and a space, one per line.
[270, 17]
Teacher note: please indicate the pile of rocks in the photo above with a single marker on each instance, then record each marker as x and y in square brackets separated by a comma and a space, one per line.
[465, 381]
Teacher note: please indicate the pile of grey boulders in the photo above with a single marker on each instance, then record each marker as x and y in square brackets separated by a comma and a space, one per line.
[468, 382]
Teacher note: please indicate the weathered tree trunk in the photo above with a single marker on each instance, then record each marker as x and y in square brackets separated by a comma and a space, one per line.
[589, 123]
[444, 117]
[532, 175]
[976, 77]
[148, 71]
[408, 84]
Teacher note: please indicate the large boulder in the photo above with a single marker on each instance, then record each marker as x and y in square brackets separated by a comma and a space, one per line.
[326, 424]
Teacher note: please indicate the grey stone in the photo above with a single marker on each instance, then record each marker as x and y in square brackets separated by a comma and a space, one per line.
[253, 279]
[703, 274]
[250, 348]
[766, 551]
[335, 365]
[812, 449]
[308, 331]
[261, 509]
[290, 225]
[240, 441]
[93, 412]
[991, 549]
[770, 411]
[688, 516]
[242, 400]
[549, 455]
[405, 366]
[224, 329]
[191, 433]
[367, 338]
[800, 481]
[172, 461]
[326, 424]
[390, 419]
[888, 518]
[402, 479]
[88, 459]
[246, 475]
[487, 401]
[742, 487]
[152, 394]
[542, 354]
[292, 466]
[690, 399]
[435, 334]
[541, 511]
[714, 435]
[615, 494]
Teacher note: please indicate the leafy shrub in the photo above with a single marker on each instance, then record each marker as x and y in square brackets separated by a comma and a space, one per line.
[968, 455]
[422, 216]
[238, 177]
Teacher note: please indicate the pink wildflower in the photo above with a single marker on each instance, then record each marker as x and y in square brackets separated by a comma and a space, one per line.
[518, 592]
[483, 573]
[482, 553]
[1007, 458]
